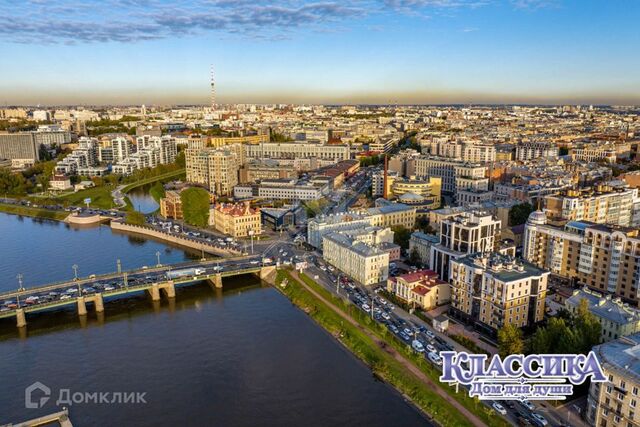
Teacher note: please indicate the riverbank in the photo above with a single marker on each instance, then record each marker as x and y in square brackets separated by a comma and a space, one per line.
[33, 212]
[151, 180]
[390, 360]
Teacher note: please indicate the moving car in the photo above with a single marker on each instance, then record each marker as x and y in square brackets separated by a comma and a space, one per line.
[499, 408]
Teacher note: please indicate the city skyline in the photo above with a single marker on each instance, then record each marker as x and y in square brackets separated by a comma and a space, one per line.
[350, 52]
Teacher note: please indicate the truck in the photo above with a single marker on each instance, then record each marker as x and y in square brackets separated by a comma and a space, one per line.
[176, 274]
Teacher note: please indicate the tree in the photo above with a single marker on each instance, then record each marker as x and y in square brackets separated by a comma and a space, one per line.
[520, 213]
[414, 257]
[401, 236]
[510, 340]
[195, 206]
[588, 327]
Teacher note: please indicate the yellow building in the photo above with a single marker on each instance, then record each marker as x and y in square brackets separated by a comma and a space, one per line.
[428, 189]
[171, 205]
[604, 258]
[422, 288]
[492, 290]
[251, 139]
[236, 219]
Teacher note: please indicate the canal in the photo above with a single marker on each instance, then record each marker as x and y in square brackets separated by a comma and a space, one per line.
[142, 200]
[238, 357]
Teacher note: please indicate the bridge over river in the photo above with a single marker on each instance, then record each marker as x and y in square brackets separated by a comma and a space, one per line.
[94, 289]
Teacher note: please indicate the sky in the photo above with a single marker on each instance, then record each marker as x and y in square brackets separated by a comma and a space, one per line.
[70, 52]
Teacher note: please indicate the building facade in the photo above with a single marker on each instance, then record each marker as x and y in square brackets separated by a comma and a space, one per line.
[236, 219]
[421, 288]
[491, 290]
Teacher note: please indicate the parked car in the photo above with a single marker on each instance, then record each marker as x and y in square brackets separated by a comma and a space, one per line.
[499, 408]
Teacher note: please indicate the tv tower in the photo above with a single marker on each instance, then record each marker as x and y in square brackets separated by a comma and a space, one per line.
[213, 90]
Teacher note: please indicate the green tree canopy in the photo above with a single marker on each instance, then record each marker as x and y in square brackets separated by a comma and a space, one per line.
[519, 213]
[510, 340]
[195, 206]
[401, 236]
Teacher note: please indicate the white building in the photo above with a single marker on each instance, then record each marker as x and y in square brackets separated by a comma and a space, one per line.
[363, 262]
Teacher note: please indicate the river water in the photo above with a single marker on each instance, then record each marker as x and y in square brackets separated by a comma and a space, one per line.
[142, 201]
[244, 356]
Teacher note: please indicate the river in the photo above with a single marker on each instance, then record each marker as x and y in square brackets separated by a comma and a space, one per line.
[142, 201]
[242, 357]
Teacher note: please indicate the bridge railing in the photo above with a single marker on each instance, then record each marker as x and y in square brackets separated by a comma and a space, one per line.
[98, 277]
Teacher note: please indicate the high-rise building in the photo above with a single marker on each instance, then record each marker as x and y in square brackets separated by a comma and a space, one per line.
[21, 146]
[455, 174]
[216, 168]
[615, 402]
[606, 259]
[465, 233]
[491, 290]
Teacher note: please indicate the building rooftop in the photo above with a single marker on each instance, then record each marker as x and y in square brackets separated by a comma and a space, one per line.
[605, 306]
[621, 355]
[502, 267]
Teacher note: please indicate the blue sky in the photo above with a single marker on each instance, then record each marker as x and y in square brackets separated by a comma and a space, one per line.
[348, 51]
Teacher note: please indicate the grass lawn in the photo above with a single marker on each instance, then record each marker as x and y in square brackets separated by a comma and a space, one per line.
[382, 363]
[33, 212]
[474, 405]
[100, 197]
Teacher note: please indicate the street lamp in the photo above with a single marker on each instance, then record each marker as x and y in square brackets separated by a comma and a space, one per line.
[158, 256]
[251, 233]
[75, 271]
[119, 265]
[20, 289]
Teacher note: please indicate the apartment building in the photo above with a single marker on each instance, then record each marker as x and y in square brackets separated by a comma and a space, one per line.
[19, 147]
[616, 318]
[491, 290]
[282, 189]
[248, 139]
[388, 214]
[364, 263]
[462, 234]
[421, 243]
[236, 219]
[455, 174]
[215, 168]
[594, 153]
[171, 205]
[535, 150]
[321, 225]
[297, 150]
[420, 288]
[84, 156]
[615, 402]
[606, 259]
[603, 204]
[467, 151]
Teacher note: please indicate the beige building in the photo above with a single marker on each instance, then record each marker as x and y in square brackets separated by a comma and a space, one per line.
[392, 214]
[171, 205]
[462, 234]
[455, 174]
[429, 189]
[251, 139]
[217, 169]
[364, 263]
[615, 402]
[236, 219]
[603, 205]
[606, 259]
[616, 318]
[491, 290]
[421, 288]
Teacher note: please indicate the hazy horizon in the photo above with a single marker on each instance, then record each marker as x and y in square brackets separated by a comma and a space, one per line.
[157, 52]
